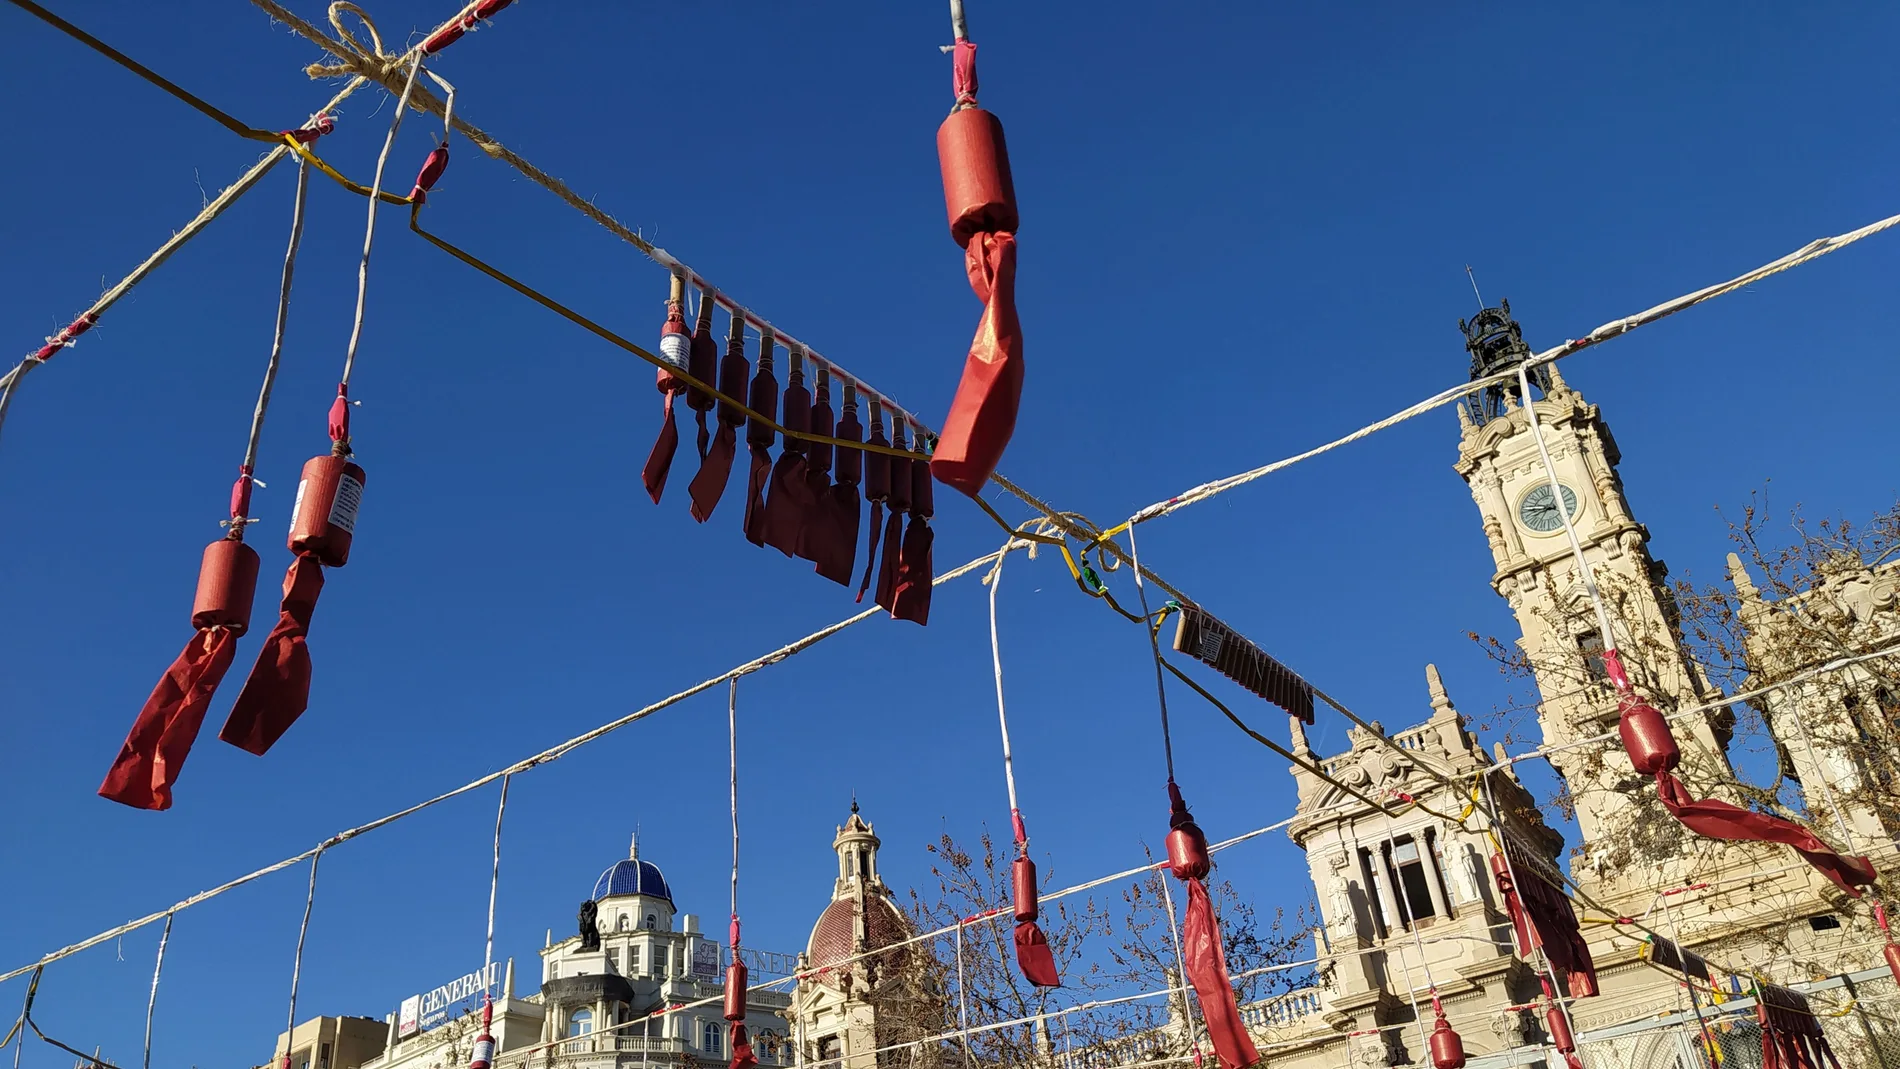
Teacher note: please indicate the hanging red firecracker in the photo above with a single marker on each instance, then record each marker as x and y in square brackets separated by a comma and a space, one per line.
[1542, 917]
[877, 490]
[815, 535]
[1892, 950]
[735, 1006]
[789, 505]
[1033, 954]
[323, 523]
[1447, 1047]
[483, 1054]
[981, 201]
[762, 399]
[899, 506]
[431, 173]
[154, 752]
[1557, 1023]
[675, 349]
[843, 508]
[702, 363]
[916, 570]
[1653, 751]
[1201, 955]
[716, 467]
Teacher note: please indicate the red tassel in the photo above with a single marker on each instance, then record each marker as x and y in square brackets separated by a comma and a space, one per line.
[278, 689]
[916, 570]
[844, 508]
[660, 461]
[815, 537]
[155, 749]
[983, 415]
[430, 174]
[790, 504]
[1720, 820]
[702, 362]
[759, 437]
[742, 1056]
[1034, 957]
[877, 490]
[899, 506]
[340, 414]
[716, 468]
[1206, 968]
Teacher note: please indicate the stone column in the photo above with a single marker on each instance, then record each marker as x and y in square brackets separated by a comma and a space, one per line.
[1427, 840]
[1388, 906]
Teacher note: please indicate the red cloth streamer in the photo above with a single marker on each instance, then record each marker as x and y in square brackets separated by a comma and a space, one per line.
[431, 173]
[278, 689]
[155, 749]
[715, 468]
[789, 507]
[1542, 917]
[1791, 1036]
[65, 337]
[877, 490]
[815, 535]
[1720, 820]
[453, 32]
[1202, 957]
[983, 415]
[675, 343]
[843, 507]
[916, 571]
[763, 401]
[899, 505]
[154, 752]
[702, 363]
[306, 135]
[742, 1056]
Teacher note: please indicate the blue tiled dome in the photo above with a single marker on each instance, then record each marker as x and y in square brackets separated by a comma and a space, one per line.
[632, 876]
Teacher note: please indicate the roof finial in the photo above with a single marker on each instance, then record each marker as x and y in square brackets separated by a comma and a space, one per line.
[854, 800]
[633, 849]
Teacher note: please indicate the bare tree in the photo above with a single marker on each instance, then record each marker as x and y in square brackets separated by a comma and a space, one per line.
[1101, 951]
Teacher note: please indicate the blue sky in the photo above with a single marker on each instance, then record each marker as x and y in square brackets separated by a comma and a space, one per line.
[1244, 231]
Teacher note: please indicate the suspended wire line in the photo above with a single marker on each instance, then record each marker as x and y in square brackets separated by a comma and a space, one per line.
[151, 1003]
[1615, 328]
[553, 753]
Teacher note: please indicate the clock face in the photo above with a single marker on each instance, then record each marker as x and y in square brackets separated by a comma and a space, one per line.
[1538, 510]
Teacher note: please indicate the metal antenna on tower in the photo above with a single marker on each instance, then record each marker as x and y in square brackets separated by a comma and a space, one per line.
[1474, 287]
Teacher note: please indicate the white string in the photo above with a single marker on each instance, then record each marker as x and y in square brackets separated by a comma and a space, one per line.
[151, 1003]
[995, 579]
[553, 753]
[1180, 965]
[296, 965]
[732, 744]
[1811, 251]
[1584, 570]
[963, 1000]
[9, 383]
[1154, 644]
[369, 228]
[494, 882]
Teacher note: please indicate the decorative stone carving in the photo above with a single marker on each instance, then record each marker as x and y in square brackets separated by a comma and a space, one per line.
[1466, 874]
[589, 925]
[1342, 904]
[1509, 1027]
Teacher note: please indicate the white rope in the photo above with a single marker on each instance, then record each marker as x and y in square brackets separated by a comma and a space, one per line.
[994, 580]
[369, 228]
[1180, 966]
[283, 320]
[494, 883]
[151, 1002]
[296, 964]
[553, 753]
[1811, 251]
[1154, 645]
[963, 1000]
[10, 382]
[1584, 571]
[732, 745]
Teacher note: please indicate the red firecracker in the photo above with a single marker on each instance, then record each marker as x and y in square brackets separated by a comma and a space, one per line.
[1201, 955]
[788, 508]
[899, 506]
[676, 350]
[916, 570]
[759, 436]
[1033, 954]
[877, 490]
[845, 506]
[816, 536]
[715, 468]
[980, 198]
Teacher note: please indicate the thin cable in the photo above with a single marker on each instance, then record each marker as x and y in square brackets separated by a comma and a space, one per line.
[553, 753]
[151, 1003]
[369, 228]
[494, 883]
[1584, 571]
[296, 965]
[1411, 923]
[1614, 328]
[1180, 967]
[732, 751]
[963, 1000]
[1161, 687]
[994, 580]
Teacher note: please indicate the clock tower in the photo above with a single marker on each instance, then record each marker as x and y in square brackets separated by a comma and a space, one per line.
[1625, 833]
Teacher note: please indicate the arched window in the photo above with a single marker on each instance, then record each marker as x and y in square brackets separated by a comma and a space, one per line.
[652, 922]
[710, 1040]
[580, 1022]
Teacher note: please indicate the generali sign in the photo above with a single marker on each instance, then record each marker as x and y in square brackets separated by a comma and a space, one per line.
[420, 1013]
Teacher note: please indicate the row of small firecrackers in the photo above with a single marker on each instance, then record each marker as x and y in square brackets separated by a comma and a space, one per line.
[808, 503]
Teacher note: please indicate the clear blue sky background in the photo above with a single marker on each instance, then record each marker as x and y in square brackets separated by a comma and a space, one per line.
[1244, 231]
